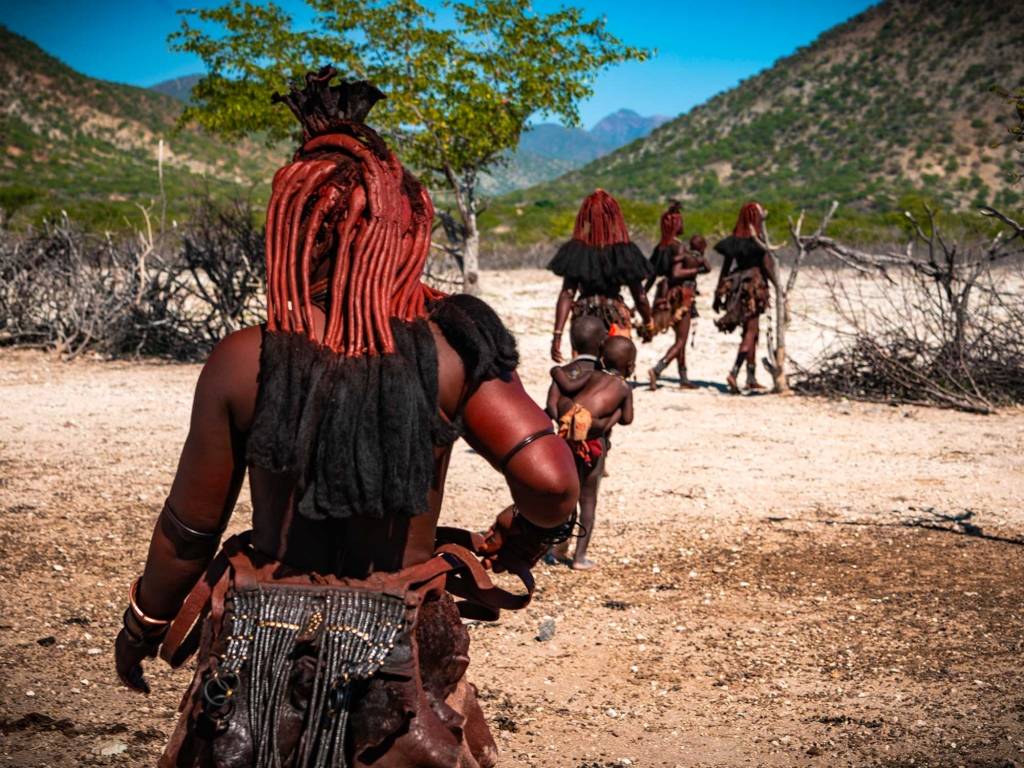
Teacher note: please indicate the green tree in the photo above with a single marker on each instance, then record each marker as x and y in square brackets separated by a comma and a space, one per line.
[459, 93]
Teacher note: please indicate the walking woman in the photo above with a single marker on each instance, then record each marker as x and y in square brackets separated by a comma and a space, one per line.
[675, 299]
[742, 293]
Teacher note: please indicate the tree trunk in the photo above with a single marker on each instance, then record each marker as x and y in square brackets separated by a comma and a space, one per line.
[778, 364]
[471, 257]
[464, 189]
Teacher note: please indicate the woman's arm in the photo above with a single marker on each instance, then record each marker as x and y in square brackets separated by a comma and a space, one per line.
[716, 305]
[202, 497]
[641, 302]
[726, 268]
[562, 309]
[627, 406]
[198, 507]
[542, 475]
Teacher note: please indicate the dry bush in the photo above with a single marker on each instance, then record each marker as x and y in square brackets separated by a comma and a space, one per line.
[175, 296]
[223, 271]
[938, 324]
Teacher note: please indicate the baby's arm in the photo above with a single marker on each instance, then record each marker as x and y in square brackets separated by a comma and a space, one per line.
[605, 424]
[551, 407]
[568, 385]
[627, 406]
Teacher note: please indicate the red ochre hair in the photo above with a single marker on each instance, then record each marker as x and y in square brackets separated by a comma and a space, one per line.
[345, 207]
[671, 223]
[599, 222]
[750, 220]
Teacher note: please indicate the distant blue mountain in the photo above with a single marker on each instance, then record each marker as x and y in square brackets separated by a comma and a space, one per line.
[179, 87]
[548, 150]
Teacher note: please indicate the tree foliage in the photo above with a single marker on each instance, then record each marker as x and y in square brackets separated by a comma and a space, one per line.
[461, 85]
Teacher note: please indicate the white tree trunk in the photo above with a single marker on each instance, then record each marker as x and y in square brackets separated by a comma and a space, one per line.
[778, 365]
[471, 256]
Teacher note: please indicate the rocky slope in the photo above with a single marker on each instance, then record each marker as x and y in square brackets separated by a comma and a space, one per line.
[91, 147]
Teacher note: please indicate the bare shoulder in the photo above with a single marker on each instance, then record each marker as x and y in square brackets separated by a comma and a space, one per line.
[231, 374]
[236, 352]
[451, 371]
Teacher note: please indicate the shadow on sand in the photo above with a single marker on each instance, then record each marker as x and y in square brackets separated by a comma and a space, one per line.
[672, 382]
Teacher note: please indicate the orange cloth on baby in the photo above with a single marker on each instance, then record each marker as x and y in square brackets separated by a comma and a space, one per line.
[574, 424]
[573, 427]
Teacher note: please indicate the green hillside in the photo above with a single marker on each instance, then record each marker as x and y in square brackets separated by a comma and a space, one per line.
[90, 147]
[887, 109]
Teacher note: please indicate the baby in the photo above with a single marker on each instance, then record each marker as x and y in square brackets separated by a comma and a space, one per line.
[589, 405]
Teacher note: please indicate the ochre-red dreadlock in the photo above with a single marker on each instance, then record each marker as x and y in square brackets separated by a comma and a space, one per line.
[599, 222]
[671, 223]
[750, 221]
[345, 211]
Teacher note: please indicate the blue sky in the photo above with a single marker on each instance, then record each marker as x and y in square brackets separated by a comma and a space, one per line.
[703, 47]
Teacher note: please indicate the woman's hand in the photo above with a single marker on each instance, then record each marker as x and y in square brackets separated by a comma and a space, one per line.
[515, 544]
[130, 648]
[556, 348]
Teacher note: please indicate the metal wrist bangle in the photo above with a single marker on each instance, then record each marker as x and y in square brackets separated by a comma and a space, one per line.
[138, 633]
[139, 614]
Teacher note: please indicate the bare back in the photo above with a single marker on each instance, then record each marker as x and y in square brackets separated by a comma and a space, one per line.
[212, 466]
[608, 398]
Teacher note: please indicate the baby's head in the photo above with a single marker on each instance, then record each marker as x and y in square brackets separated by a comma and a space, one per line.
[698, 244]
[586, 333]
[618, 354]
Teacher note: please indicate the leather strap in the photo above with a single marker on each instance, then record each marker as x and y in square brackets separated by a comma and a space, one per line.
[481, 599]
[207, 596]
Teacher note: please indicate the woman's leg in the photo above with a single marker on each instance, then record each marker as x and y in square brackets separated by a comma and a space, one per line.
[752, 332]
[673, 353]
[747, 353]
[682, 336]
[734, 387]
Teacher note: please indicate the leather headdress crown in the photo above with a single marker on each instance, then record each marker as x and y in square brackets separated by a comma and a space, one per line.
[325, 108]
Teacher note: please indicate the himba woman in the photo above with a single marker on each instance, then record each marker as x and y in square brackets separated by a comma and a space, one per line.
[675, 299]
[595, 265]
[742, 292]
[325, 635]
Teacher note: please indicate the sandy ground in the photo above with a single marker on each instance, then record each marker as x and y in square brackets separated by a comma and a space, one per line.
[764, 595]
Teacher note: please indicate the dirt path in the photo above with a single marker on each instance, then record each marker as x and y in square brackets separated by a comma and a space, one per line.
[761, 600]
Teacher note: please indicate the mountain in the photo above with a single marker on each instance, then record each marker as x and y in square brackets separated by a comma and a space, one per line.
[624, 126]
[891, 105]
[548, 150]
[178, 87]
[91, 147]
